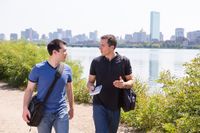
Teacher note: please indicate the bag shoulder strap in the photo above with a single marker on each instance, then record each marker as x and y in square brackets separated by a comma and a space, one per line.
[58, 74]
[123, 67]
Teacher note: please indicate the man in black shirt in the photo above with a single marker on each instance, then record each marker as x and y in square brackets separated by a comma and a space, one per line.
[108, 70]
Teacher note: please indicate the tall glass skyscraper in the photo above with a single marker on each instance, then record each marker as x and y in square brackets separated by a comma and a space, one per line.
[155, 26]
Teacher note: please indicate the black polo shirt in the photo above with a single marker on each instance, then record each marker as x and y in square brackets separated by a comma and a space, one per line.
[106, 73]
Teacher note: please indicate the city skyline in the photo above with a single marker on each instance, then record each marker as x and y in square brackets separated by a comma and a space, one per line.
[117, 17]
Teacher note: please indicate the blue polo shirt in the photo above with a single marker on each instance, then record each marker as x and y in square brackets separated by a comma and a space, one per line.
[43, 74]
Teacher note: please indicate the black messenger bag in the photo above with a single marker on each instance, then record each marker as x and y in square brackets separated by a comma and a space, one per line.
[127, 96]
[127, 99]
[36, 109]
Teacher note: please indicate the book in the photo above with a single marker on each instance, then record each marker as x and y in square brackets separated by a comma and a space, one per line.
[96, 90]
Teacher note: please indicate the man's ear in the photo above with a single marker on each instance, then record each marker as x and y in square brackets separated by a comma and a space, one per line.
[54, 52]
[112, 47]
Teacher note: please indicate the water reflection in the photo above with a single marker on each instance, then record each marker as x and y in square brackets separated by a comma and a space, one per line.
[153, 68]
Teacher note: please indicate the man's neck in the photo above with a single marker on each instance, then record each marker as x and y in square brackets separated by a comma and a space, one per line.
[53, 62]
[110, 56]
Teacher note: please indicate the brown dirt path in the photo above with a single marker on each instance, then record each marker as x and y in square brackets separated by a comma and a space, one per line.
[11, 114]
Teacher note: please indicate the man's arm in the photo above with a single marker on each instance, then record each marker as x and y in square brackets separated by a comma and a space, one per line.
[124, 84]
[70, 97]
[129, 81]
[90, 83]
[27, 97]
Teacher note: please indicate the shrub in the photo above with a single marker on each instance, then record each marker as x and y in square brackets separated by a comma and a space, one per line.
[81, 94]
[175, 110]
[183, 99]
[18, 58]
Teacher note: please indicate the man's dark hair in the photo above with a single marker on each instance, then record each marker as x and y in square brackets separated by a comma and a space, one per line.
[55, 45]
[111, 40]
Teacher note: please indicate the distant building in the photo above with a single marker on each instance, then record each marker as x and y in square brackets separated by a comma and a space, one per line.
[30, 34]
[67, 36]
[93, 36]
[179, 35]
[139, 37]
[68, 33]
[161, 37]
[60, 34]
[44, 38]
[13, 36]
[155, 26]
[179, 32]
[2, 36]
[54, 35]
[173, 38]
[128, 37]
[193, 36]
[148, 38]
[80, 38]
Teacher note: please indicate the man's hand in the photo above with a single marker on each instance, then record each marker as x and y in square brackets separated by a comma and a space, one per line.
[27, 98]
[71, 113]
[119, 83]
[26, 115]
[91, 88]
[90, 83]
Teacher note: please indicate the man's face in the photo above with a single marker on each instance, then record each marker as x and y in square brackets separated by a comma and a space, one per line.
[105, 48]
[62, 53]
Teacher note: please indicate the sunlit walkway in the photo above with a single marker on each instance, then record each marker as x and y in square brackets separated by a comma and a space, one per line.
[11, 112]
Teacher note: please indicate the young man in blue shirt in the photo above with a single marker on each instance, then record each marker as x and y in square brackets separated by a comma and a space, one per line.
[106, 70]
[41, 77]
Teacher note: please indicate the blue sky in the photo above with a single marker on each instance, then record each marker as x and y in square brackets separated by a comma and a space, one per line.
[117, 17]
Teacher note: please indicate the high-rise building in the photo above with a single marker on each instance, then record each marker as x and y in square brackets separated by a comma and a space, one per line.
[13, 36]
[139, 37]
[155, 26]
[193, 36]
[179, 32]
[128, 37]
[44, 38]
[161, 36]
[79, 38]
[93, 36]
[2, 36]
[179, 35]
[30, 34]
[68, 34]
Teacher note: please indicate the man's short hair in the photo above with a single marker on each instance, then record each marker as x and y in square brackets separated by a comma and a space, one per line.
[55, 45]
[111, 40]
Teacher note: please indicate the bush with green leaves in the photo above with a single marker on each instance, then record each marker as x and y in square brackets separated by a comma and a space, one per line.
[183, 99]
[80, 91]
[18, 58]
[176, 110]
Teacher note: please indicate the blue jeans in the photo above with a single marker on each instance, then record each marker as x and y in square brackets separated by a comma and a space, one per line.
[105, 120]
[49, 120]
